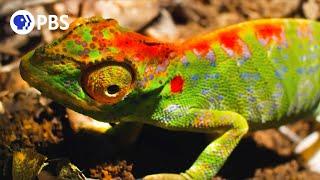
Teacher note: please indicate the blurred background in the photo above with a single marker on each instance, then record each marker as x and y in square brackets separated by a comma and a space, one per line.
[40, 129]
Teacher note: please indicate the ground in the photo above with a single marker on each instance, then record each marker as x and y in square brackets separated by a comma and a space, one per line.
[31, 121]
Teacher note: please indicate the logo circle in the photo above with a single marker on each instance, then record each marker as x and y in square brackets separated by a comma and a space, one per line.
[22, 22]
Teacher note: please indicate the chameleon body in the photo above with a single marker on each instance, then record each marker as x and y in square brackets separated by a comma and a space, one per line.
[252, 75]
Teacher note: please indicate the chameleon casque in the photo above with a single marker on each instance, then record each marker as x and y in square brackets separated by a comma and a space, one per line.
[253, 75]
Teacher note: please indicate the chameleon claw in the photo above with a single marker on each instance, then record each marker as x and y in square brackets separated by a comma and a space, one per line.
[167, 176]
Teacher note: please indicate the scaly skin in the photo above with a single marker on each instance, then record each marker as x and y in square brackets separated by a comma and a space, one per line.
[256, 74]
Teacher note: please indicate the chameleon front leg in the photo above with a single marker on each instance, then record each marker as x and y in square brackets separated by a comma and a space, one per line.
[216, 153]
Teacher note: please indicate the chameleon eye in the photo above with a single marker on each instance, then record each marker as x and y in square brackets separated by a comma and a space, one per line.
[108, 83]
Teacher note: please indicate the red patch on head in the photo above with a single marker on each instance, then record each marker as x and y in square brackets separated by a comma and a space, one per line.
[141, 47]
[231, 40]
[268, 31]
[176, 84]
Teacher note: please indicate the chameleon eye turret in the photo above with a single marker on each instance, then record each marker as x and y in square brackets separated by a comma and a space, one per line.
[108, 83]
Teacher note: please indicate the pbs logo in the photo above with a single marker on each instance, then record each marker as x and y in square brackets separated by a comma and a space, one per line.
[22, 22]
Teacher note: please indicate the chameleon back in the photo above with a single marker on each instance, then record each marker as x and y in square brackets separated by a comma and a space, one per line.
[266, 70]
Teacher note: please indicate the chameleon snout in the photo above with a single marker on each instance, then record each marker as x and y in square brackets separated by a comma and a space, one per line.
[25, 65]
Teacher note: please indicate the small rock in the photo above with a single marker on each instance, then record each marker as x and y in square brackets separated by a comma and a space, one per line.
[268, 8]
[311, 9]
[131, 14]
[164, 29]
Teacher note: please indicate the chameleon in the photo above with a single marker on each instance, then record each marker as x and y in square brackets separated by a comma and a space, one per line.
[253, 75]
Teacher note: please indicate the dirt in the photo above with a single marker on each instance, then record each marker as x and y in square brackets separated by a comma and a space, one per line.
[107, 171]
[29, 120]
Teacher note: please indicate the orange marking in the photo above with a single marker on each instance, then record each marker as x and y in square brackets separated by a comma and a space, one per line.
[231, 40]
[142, 48]
[268, 32]
[201, 47]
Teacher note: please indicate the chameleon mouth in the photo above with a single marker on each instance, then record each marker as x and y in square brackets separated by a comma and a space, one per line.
[27, 70]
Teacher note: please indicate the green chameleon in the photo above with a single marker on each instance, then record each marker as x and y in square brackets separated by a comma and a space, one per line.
[253, 75]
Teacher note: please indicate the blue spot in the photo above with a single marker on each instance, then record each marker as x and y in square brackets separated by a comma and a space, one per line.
[205, 91]
[284, 69]
[185, 62]
[313, 69]
[313, 56]
[195, 77]
[211, 99]
[256, 77]
[260, 106]
[210, 56]
[246, 55]
[277, 95]
[213, 64]
[212, 76]
[249, 90]
[279, 86]
[275, 60]
[216, 76]
[240, 62]
[274, 107]
[278, 74]
[285, 56]
[244, 75]
[172, 107]
[160, 68]
[250, 76]
[300, 70]
[220, 97]
[252, 99]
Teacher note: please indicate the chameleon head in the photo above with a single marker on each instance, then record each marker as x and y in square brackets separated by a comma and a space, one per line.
[97, 68]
